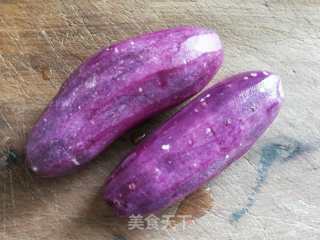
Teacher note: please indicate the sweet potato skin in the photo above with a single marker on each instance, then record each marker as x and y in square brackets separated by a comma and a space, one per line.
[196, 144]
[117, 88]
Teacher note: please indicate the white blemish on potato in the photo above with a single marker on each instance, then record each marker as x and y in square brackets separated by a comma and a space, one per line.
[75, 161]
[91, 83]
[209, 131]
[35, 169]
[253, 74]
[252, 108]
[157, 172]
[166, 147]
[66, 103]
[132, 186]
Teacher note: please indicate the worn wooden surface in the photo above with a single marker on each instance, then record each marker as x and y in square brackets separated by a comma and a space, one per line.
[271, 193]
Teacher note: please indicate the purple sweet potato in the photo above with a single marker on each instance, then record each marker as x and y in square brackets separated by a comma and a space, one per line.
[196, 144]
[117, 88]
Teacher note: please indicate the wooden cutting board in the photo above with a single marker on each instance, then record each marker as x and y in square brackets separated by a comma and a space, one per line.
[271, 193]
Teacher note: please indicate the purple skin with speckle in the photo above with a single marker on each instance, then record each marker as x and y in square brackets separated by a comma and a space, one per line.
[117, 88]
[196, 144]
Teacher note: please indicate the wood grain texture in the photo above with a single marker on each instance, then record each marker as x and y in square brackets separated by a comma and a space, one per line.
[271, 193]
